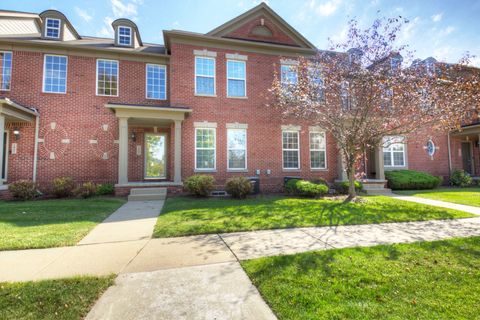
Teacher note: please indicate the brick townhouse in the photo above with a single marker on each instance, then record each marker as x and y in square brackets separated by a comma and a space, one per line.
[138, 114]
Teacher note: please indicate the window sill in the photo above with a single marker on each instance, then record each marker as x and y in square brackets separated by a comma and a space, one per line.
[318, 169]
[292, 170]
[106, 95]
[237, 170]
[241, 98]
[46, 92]
[206, 95]
[154, 99]
[205, 170]
[4, 89]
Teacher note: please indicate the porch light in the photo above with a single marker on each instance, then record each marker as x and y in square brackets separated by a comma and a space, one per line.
[133, 136]
[16, 133]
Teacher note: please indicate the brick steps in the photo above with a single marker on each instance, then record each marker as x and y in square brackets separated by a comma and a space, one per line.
[147, 194]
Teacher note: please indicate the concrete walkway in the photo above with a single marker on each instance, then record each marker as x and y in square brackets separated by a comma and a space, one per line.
[438, 203]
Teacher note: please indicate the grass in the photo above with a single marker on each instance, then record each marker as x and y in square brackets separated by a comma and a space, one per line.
[51, 223]
[429, 280]
[467, 196]
[189, 216]
[51, 299]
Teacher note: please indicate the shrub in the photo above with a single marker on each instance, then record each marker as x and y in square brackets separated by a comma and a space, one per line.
[305, 188]
[105, 189]
[460, 178]
[63, 187]
[341, 187]
[199, 185]
[23, 189]
[86, 190]
[320, 181]
[411, 180]
[239, 187]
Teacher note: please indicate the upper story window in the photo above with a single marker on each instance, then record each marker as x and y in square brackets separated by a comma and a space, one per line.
[393, 152]
[291, 149]
[395, 64]
[317, 81]
[124, 36]
[55, 74]
[288, 74]
[52, 28]
[5, 70]
[107, 77]
[156, 82]
[205, 76]
[236, 78]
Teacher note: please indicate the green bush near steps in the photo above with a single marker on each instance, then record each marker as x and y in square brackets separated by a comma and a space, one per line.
[411, 180]
[460, 178]
[305, 188]
[342, 187]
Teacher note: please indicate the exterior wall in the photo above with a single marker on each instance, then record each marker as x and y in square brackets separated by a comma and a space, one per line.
[77, 115]
[264, 144]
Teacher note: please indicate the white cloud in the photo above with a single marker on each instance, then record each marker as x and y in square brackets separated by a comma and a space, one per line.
[447, 31]
[409, 30]
[83, 14]
[475, 62]
[326, 8]
[341, 36]
[119, 9]
[437, 17]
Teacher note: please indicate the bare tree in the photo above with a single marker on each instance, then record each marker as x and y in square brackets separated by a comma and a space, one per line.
[363, 94]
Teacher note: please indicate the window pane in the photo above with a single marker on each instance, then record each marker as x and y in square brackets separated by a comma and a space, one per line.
[236, 159]
[288, 74]
[205, 85]
[236, 145]
[236, 69]
[156, 82]
[124, 35]
[107, 78]
[5, 70]
[317, 141]
[205, 138]
[290, 140]
[55, 74]
[236, 88]
[317, 159]
[398, 159]
[205, 159]
[52, 29]
[205, 66]
[387, 158]
[290, 159]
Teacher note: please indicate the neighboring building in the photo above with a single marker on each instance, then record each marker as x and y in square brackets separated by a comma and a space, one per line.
[137, 114]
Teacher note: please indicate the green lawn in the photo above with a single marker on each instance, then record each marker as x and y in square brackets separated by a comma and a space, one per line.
[188, 216]
[429, 280]
[468, 196]
[51, 299]
[51, 223]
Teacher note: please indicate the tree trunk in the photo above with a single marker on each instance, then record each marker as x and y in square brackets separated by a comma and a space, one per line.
[351, 183]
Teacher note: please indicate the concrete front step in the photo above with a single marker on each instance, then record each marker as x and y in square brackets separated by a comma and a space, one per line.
[379, 192]
[147, 194]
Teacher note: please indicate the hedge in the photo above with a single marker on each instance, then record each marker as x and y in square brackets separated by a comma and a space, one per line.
[305, 188]
[411, 180]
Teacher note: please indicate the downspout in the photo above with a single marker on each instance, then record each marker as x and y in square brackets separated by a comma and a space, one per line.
[35, 148]
[449, 155]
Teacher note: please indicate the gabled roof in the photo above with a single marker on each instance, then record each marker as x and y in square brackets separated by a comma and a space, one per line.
[261, 9]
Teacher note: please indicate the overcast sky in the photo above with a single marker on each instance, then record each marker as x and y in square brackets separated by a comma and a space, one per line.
[442, 29]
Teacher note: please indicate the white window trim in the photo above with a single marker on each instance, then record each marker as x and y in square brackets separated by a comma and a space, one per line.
[228, 149]
[214, 76]
[390, 152]
[324, 150]
[130, 37]
[44, 73]
[231, 78]
[96, 79]
[59, 28]
[298, 150]
[11, 71]
[146, 80]
[214, 149]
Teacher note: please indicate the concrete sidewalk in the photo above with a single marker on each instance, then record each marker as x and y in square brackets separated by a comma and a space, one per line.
[438, 203]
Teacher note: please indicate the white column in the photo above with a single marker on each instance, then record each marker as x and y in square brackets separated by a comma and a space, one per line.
[379, 167]
[2, 133]
[177, 166]
[122, 150]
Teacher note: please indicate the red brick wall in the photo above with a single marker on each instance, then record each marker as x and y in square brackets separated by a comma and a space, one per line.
[278, 36]
[79, 115]
[264, 147]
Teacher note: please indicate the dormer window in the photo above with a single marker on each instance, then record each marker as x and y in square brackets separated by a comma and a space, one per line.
[52, 28]
[395, 64]
[124, 36]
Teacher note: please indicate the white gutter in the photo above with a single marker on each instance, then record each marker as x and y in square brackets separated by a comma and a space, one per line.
[35, 150]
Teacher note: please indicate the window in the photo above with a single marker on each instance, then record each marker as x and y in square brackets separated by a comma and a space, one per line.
[205, 149]
[291, 148]
[5, 70]
[317, 83]
[288, 74]
[156, 82]
[52, 28]
[393, 152]
[431, 148]
[237, 149]
[395, 63]
[107, 78]
[318, 150]
[125, 36]
[204, 76]
[345, 95]
[236, 78]
[55, 74]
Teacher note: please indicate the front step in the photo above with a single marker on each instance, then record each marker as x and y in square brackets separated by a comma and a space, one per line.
[373, 187]
[147, 194]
